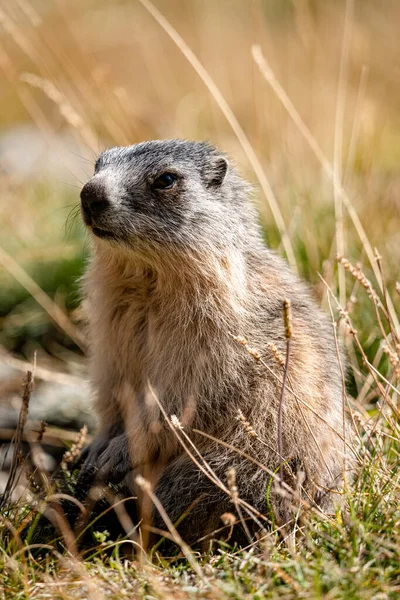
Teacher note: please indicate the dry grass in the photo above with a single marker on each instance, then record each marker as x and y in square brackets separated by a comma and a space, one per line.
[304, 95]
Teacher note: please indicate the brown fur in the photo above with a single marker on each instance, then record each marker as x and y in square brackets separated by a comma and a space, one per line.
[166, 321]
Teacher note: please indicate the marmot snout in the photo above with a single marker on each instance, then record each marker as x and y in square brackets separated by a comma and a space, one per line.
[178, 269]
[148, 196]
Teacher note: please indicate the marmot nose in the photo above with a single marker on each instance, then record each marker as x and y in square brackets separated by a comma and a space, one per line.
[94, 197]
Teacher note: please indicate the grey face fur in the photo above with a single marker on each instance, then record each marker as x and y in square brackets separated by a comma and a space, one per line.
[160, 193]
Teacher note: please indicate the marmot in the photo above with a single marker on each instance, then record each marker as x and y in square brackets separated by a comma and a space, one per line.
[179, 273]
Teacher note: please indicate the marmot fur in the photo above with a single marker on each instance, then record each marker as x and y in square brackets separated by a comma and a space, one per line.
[179, 269]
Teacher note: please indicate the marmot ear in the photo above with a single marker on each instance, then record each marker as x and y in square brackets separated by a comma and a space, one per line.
[215, 171]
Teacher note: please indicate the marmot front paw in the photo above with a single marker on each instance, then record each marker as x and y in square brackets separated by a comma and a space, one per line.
[114, 462]
[104, 460]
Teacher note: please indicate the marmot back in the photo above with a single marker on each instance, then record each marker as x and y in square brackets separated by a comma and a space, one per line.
[178, 271]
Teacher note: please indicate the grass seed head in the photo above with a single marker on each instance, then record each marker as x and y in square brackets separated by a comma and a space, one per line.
[287, 318]
[73, 453]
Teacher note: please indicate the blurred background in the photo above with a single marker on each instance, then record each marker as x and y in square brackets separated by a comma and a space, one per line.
[77, 77]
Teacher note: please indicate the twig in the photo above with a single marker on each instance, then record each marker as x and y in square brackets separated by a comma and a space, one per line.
[41, 372]
[53, 436]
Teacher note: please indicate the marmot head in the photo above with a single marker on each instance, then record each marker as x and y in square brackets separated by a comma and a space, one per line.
[162, 195]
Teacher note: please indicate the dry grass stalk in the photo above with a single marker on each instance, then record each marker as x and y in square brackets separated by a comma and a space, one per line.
[279, 567]
[287, 319]
[178, 425]
[41, 372]
[229, 520]
[54, 311]
[375, 374]
[145, 486]
[277, 354]
[42, 429]
[270, 77]
[203, 465]
[345, 403]
[252, 351]
[393, 359]
[52, 436]
[392, 326]
[338, 143]
[301, 404]
[358, 274]
[15, 34]
[246, 424]
[233, 122]
[67, 111]
[231, 478]
[355, 130]
[17, 440]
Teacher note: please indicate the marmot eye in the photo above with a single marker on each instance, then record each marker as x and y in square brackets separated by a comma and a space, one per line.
[164, 182]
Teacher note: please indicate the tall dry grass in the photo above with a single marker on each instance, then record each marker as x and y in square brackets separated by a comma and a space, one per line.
[304, 96]
[111, 73]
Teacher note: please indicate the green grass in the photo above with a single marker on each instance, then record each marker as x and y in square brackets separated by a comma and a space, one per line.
[353, 553]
